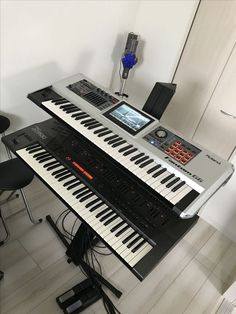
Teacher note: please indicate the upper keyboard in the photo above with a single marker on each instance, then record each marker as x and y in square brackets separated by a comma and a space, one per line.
[179, 170]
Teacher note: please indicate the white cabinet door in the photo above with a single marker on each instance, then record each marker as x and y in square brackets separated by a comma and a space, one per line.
[220, 210]
[207, 50]
[217, 131]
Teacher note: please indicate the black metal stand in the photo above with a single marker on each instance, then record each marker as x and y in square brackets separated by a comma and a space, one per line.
[77, 248]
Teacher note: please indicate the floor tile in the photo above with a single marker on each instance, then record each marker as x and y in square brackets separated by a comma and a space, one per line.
[206, 297]
[225, 270]
[213, 250]
[18, 267]
[35, 291]
[182, 290]
[43, 246]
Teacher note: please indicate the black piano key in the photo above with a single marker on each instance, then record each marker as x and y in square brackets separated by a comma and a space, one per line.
[146, 163]
[73, 110]
[34, 150]
[100, 130]
[86, 197]
[60, 101]
[104, 133]
[107, 222]
[113, 229]
[129, 237]
[104, 211]
[153, 169]
[74, 185]
[138, 246]
[70, 107]
[58, 171]
[82, 117]
[114, 140]
[156, 174]
[130, 151]
[110, 138]
[121, 150]
[80, 190]
[45, 159]
[67, 110]
[81, 194]
[95, 122]
[141, 160]
[74, 115]
[70, 182]
[39, 154]
[87, 121]
[65, 177]
[33, 146]
[93, 126]
[186, 200]
[106, 216]
[53, 167]
[66, 106]
[96, 207]
[119, 143]
[61, 174]
[92, 203]
[122, 231]
[134, 242]
[44, 154]
[136, 156]
[52, 163]
[167, 178]
[178, 186]
[168, 185]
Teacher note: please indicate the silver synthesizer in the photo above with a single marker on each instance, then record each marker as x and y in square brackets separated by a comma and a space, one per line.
[177, 169]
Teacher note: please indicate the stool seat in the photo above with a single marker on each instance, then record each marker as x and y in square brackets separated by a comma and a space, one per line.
[4, 124]
[14, 175]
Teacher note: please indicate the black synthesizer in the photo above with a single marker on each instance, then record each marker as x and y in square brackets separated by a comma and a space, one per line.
[125, 213]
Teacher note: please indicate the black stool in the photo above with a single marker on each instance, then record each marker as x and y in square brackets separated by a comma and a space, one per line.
[15, 175]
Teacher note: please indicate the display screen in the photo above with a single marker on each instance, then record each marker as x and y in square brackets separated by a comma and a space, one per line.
[128, 118]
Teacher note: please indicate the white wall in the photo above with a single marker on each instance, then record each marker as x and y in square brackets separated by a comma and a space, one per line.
[163, 27]
[45, 41]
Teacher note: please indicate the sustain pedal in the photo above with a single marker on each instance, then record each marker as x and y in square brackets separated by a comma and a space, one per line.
[79, 297]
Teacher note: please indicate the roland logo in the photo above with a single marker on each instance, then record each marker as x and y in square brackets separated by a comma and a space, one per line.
[213, 159]
[36, 129]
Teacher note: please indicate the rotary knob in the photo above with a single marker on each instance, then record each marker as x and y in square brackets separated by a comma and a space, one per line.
[161, 133]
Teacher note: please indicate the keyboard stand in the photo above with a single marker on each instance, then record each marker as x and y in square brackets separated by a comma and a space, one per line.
[75, 251]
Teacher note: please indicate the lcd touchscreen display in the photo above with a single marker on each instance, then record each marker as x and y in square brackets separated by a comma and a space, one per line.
[128, 118]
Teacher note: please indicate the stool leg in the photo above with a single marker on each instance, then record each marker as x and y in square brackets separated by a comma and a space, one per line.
[1, 274]
[28, 209]
[5, 227]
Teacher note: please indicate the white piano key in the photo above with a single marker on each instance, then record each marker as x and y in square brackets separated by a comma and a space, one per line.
[156, 183]
[181, 195]
[127, 252]
[113, 223]
[133, 255]
[138, 257]
[171, 195]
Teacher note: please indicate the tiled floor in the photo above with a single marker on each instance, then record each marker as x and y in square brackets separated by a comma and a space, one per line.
[190, 279]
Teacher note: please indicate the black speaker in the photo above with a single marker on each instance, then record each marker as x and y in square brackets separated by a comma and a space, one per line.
[159, 99]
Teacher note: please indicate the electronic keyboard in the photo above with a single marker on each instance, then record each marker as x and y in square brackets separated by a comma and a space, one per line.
[174, 168]
[131, 218]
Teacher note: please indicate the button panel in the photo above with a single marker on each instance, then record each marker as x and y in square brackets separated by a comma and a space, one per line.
[92, 94]
[172, 145]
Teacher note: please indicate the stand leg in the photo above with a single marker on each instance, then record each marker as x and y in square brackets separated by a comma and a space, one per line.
[76, 250]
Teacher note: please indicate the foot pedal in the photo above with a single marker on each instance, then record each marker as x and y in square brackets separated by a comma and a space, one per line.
[78, 298]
